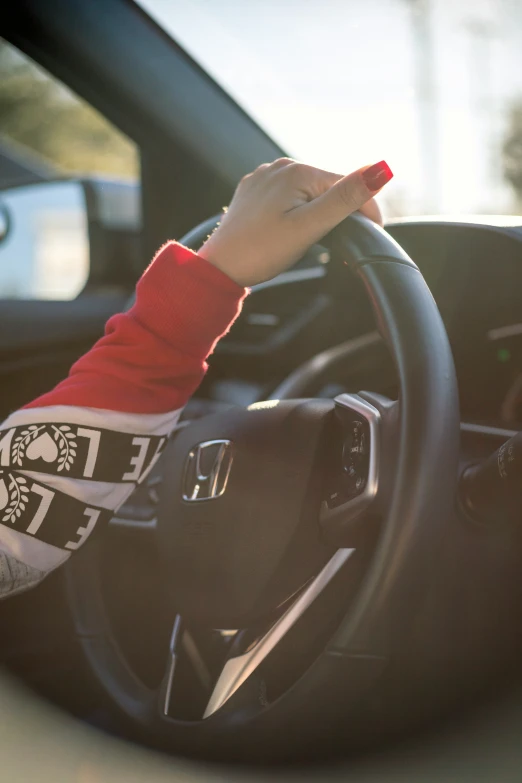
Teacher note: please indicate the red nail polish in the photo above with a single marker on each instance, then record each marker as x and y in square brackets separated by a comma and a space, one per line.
[377, 175]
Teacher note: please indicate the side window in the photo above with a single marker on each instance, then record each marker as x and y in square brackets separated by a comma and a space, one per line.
[51, 142]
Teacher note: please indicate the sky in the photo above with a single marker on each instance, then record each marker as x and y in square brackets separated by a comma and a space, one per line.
[424, 84]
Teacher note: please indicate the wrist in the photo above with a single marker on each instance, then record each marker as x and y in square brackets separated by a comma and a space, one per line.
[183, 294]
[226, 261]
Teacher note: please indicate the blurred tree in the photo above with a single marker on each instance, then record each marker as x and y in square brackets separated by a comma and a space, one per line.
[38, 112]
[512, 151]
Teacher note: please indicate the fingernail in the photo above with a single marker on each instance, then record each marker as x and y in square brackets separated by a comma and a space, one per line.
[377, 175]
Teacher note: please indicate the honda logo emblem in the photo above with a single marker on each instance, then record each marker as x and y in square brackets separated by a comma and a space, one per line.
[207, 470]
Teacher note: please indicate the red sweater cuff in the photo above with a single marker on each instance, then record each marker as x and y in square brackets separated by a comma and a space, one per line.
[186, 301]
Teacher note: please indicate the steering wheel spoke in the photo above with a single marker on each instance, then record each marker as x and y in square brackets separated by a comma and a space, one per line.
[205, 668]
[241, 665]
[165, 690]
[194, 659]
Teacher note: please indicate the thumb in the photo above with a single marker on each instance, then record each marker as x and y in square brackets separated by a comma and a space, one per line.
[344, 197]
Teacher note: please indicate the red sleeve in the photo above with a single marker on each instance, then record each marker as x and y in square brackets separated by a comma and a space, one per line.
[152, 358]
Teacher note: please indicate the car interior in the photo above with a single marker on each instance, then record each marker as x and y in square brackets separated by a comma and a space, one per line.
[376, 631]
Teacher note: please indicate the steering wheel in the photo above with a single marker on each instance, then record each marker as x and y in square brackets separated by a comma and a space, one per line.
[291, 515]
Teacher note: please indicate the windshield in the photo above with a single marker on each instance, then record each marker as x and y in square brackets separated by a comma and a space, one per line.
[432, 86]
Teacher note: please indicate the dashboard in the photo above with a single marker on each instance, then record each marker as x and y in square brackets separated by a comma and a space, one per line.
[474, 271]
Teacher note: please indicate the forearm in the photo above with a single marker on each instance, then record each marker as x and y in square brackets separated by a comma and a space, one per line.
[71, 457]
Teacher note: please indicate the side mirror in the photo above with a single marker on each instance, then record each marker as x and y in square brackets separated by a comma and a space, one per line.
[63, 236]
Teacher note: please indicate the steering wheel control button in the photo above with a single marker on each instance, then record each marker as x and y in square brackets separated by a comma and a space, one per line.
[207, 470]
[352, 483]
[349, 475]
[355, 453]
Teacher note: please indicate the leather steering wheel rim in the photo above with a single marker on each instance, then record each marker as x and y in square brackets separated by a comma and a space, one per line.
[424, 488]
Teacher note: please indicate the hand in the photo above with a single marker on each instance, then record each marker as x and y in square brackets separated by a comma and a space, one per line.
[281, 209]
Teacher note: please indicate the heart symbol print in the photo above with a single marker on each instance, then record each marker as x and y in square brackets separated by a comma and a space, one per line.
[4, 496]
[43, 447]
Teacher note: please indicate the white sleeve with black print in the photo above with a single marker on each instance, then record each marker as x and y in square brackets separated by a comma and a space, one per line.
[64, 471]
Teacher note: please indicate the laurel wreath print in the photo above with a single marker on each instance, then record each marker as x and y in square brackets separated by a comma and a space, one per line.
[18, 498]
[65, 441]
[66, 446]
[23, 440]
